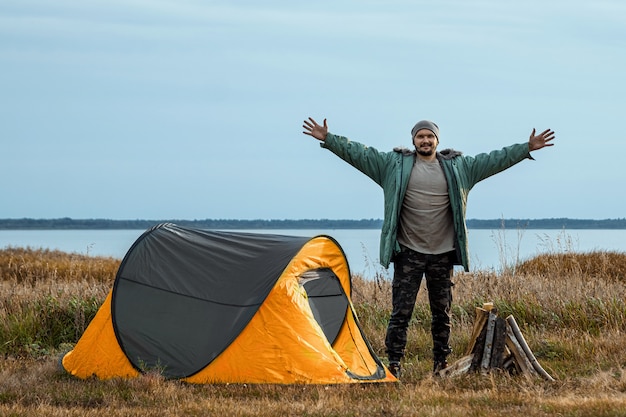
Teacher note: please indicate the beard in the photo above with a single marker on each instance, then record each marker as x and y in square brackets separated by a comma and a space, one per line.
[426, 152]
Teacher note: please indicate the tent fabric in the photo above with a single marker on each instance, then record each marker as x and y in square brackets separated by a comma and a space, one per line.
[229, 307]
[98, 352]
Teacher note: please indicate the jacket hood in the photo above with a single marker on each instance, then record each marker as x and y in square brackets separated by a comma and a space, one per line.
[449, 153]
[444, 154]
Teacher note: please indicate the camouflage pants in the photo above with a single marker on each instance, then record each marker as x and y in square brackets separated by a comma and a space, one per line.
[409, 268]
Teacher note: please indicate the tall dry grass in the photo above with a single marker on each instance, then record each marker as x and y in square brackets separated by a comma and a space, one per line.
[47, 298]
[571, 310]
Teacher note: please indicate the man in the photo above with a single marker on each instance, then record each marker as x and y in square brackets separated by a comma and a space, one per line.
[424, 231]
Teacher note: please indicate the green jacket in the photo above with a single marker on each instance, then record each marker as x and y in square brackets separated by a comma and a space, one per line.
[391, 170]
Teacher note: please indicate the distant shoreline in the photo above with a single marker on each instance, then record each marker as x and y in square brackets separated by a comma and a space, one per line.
[234, 224]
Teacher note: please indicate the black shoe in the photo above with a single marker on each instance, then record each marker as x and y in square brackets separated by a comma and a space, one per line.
[438, 365]
[394, 368]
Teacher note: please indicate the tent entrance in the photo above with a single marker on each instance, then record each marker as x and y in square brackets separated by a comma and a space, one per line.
[327, 299]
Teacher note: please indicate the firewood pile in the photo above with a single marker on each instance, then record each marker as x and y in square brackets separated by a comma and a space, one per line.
[497, 343]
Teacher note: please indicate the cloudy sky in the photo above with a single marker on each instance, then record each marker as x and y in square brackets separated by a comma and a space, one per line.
[193, 109]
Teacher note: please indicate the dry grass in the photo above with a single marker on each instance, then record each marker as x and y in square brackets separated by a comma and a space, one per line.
[571, 309]
[36, 388]
[47, 298]
[27, 266]
[602, 265]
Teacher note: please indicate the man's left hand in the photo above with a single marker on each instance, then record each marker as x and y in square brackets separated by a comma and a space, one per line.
[541, 140]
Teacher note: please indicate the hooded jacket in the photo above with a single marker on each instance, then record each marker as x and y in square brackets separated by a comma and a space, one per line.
[391, 170]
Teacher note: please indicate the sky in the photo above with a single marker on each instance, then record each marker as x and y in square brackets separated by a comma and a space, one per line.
[193, 109]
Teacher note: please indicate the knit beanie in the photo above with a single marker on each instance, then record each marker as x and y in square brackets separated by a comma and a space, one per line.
[425, 124]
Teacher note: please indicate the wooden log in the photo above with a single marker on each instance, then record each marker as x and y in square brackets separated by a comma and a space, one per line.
[531, 357]
[488, 306]
[499, 349]
[479, 347]
[526, 368]
[487, 350]
[457, 368]
[509, 364]
[479, 322]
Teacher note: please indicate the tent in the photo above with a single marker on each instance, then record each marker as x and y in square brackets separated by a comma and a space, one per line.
[229, 307]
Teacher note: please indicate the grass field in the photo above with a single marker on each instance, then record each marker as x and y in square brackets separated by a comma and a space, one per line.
[570, 306]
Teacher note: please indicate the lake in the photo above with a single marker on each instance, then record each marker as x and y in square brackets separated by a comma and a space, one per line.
[489, 249]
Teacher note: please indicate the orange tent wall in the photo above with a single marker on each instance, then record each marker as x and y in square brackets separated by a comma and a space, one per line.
[98, 353]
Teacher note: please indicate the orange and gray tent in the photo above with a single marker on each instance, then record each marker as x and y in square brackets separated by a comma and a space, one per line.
[207, 306]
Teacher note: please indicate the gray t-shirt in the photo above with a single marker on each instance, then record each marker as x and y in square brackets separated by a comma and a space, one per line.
[426, 218]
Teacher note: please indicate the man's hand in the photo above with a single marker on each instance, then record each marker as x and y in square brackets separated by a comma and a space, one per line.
[311, 128]
[541, 140]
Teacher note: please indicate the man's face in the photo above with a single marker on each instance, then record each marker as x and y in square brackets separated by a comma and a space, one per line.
[425, 142]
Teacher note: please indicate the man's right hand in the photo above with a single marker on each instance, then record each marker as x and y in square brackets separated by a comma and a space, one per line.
[311, 128]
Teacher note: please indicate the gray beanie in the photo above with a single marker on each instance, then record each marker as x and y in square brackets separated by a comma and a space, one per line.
[425, 124]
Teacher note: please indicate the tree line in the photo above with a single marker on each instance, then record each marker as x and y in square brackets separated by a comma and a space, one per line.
[138, 224]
